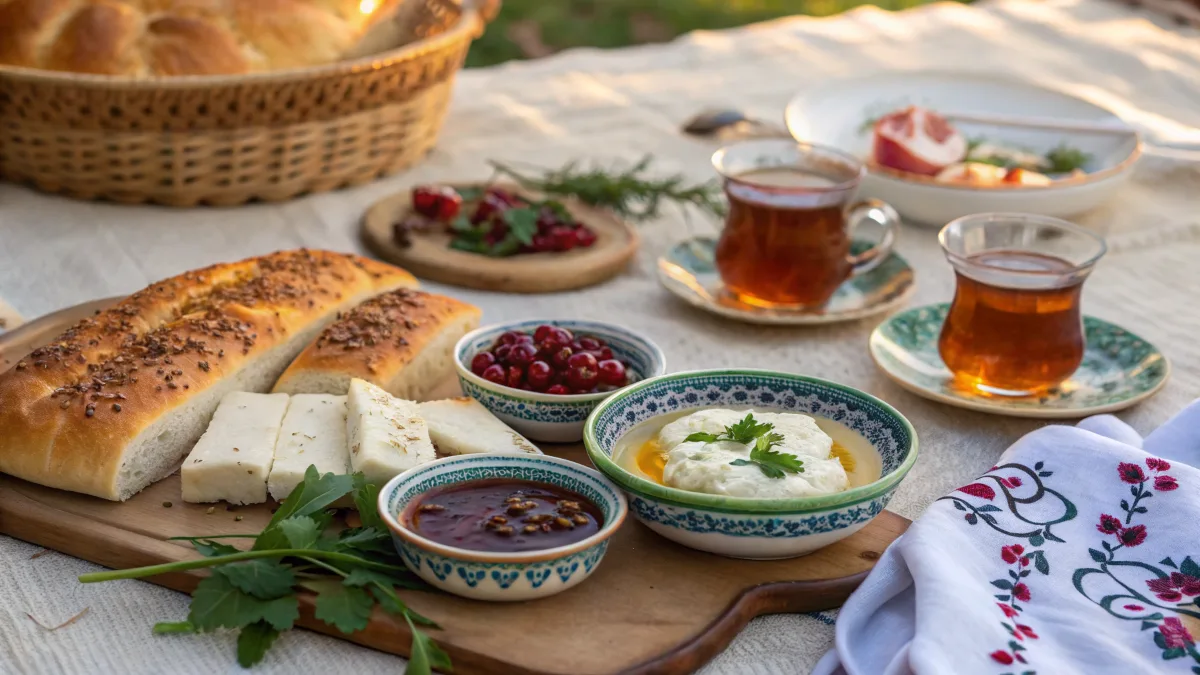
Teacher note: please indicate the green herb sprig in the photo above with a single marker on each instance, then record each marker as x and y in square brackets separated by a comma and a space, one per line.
[628, 193]
[748, 431]
[254, 591]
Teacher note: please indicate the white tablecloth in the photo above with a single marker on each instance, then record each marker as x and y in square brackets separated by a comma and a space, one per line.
[618, 105]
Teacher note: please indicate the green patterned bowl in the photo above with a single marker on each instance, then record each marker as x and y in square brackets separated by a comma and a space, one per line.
[550, 417]
[482, 575]
[741, 527]
[1118, 370]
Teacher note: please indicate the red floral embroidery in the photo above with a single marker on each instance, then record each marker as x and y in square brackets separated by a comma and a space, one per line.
[1134, 608]
[1009, 553]
[1026, 631]
[1175, 634]
[1109, 524]
[1001, 656]
[1158, 464]
[1165, 483]
[1132, 536]
[1008, 611]
[1131, 473]
[1172, 588]
[1011, 482]
[1021, 592]
[978, 490]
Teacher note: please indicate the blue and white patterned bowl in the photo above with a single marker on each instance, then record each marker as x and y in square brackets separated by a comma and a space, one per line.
[550, 417]
[744, 527]
[482, 575]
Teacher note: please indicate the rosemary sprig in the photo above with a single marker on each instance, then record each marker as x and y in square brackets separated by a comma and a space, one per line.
[628, 193]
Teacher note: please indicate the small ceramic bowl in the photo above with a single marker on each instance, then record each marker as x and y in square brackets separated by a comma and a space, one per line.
[482, 575]
[760, 529]
[550, 417]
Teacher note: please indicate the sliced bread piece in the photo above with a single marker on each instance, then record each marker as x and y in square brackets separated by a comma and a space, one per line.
[232, 460]
[402, 341]
[313, 434]
[462, 426]
[386, 434]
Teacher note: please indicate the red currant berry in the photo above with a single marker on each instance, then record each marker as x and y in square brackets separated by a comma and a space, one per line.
[515, 377]
[613, 372]
[538, 375]
[481, 362]
[496, 374]
[522, 354]
[585, 237]
[558, 389]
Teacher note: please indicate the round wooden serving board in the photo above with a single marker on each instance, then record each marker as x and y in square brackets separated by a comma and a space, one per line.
[651, 607]
[430, 257]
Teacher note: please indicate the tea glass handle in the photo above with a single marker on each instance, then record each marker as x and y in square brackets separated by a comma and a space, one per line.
[883, 215]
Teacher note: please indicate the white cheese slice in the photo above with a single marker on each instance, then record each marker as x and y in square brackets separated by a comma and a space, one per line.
[386, 434]
[463, 426]
[232, 460]
[313, 434]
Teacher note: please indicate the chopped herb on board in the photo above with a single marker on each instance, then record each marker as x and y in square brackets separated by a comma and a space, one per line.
[772, 463]
[254, 591]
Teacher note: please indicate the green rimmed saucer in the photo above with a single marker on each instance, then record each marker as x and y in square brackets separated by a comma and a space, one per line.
[688, 270]
[1119, 369]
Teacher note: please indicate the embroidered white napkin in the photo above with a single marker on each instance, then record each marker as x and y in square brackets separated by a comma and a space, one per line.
[1079, 552]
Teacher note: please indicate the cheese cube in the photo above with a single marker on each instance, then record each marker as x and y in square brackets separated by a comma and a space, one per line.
[232, 460]
[313, 434]
[386, 434]
[462, 426]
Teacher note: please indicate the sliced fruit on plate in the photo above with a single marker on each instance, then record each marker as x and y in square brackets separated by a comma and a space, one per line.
[918, 141]
[978, 173]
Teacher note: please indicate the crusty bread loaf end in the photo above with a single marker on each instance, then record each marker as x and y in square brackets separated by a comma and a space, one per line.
[118, 400]
[402, 341]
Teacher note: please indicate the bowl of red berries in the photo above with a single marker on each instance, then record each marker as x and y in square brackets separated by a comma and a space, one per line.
[543, 377]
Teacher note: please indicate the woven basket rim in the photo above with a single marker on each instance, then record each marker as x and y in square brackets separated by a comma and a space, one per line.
[470, 23]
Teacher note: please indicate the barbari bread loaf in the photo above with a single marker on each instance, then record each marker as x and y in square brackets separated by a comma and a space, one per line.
[402, 341]
[183, 37]
[116, 402]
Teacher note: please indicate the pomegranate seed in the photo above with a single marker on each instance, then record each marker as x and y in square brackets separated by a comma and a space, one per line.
[558, 389]
[585, 237]
[542, 243]
[516, 377]
[503, 195]
[502, 353]
[548, 219]
[508, 338]
[522, 354]
[436, 201]
[481, 362]
[589, 344]
[490, 206]
[582, 372]
[561, 357]
[495, 373]
[538, 374]
[564, 238]
[613, 372]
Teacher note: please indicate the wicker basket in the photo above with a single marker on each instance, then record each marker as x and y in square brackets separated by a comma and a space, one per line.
[226, 140]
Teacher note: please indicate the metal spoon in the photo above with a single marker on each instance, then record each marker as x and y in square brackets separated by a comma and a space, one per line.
[717, 121]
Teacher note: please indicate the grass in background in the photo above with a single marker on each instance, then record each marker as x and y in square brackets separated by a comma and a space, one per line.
[534, 28]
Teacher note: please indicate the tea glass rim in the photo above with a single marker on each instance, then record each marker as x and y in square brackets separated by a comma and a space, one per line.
[1024, 218]
[859, 168]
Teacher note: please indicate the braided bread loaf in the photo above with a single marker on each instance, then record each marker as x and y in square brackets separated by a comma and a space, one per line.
[182, 37]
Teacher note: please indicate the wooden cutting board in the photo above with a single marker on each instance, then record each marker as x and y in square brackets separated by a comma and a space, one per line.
[652, 606]
[429, 255]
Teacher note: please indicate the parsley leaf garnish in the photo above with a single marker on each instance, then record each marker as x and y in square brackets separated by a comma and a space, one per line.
[748, 431]
[254, 591]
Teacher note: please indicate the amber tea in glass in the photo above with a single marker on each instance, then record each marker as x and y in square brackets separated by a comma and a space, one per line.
[1015, 326]
[787, 236]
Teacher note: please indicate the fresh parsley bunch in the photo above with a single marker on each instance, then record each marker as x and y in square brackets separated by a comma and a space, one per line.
[772, 463]
[254, 591]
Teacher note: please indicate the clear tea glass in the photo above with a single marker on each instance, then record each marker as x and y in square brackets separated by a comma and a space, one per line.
[787, 236]
[1015, 326]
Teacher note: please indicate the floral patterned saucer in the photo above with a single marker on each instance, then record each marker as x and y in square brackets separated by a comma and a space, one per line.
[688, 271]
[1119, 369]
